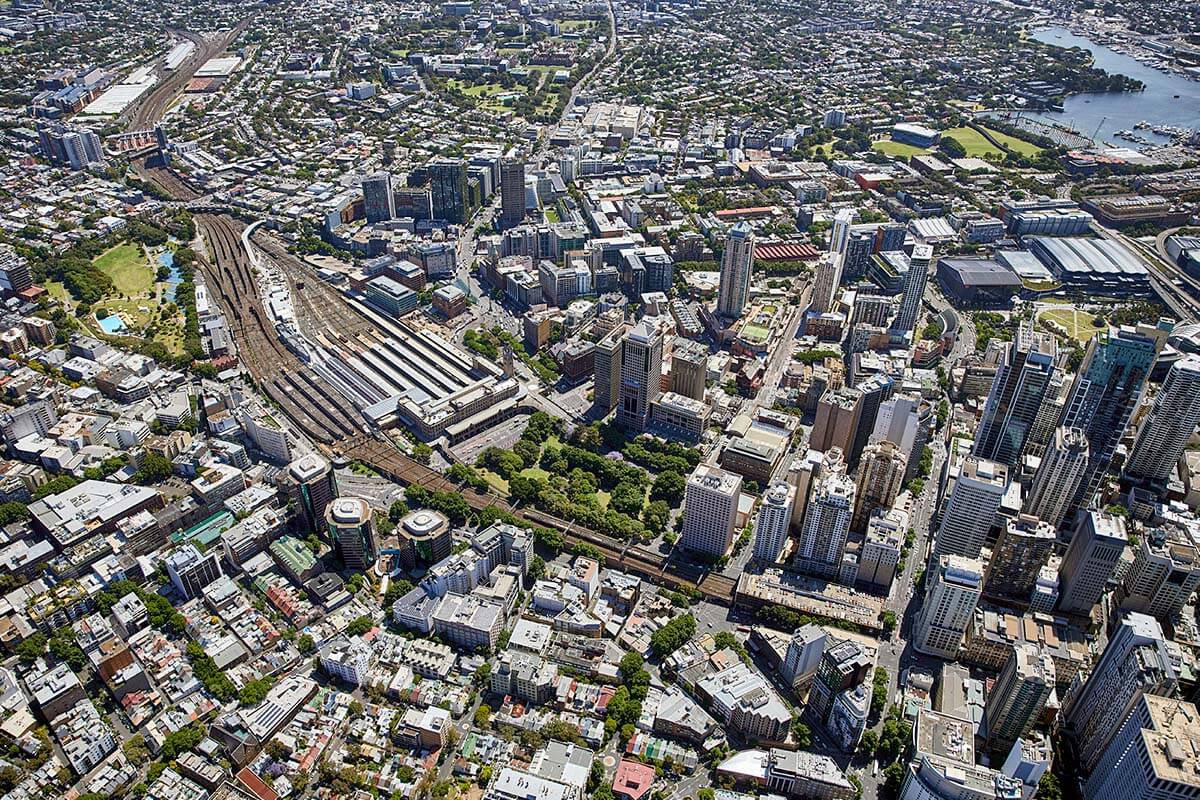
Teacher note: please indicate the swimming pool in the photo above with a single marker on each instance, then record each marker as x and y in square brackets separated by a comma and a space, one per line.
[112, 324]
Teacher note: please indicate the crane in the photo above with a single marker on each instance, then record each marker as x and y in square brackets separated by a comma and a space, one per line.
[1096, 132]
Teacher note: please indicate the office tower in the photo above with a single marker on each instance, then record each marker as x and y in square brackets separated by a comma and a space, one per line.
[15, 275]
[839, 700]
[774, 519]
[190, 570]
[826, 282]
[1058, 476]
[972, 507]
[448, 189]
[839, 235]
[512, 192]
[1018, 697]
[826, 526]
[1090, 560]
[1048, 415]
[950, 600]
[737, 264]
[389, 152]
[1016, 396]
[880, 554]
[836, 422]
[378, 203]
[641, 374]
[1134, 662]
[1165, 571]
[856, 257]
[352, 531]
[880, 475]
[689, 366]
[890, 236]
[914, 288]
[904, 420]
[1023, 548]
[315, 486]
[710, 503]
[1107, 388]
[1154, 756]
[1170, 424]
[804, 653]
[872, 393]
[607, 366]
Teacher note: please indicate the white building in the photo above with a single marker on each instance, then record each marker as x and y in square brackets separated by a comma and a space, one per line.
[710, 510]
[954, 590]
[971, 509]
[773, 521]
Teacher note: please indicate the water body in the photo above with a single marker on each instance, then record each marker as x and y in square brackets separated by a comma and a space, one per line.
[1117, 111]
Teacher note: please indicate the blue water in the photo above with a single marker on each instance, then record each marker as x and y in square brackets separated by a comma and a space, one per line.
[112, 324]
[1168, 99]
[167, 259]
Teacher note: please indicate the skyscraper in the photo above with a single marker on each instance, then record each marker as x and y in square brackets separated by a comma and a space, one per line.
[689, 366]
[709, 508]
[839, 234]
[804, 653]
[1134, 662]
[1023, 548]
[873, 392]
[880, 475]
[352, 531]
[315, 488]
[953, 593]
[512, 192]
[1057, 479]
[826, 526]
[641, 374]
[914, 288]
[737, 263]
[1090, 560]
[972, 507]
[1154, 755]
[607, 367]
[1017, 394]
[826, 282]
[771, 525]
[1165, 570]
[378, 203]
[1107, 388]
[1165, 431]
[1018, 697]
[448, 189]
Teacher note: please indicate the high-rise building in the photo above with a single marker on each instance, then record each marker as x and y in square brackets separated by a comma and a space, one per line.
[190, 570]
[914, 288]
[839, 234]
[972, 507]
[836, 421]
[1056, 481]
[512, 192]
[352, 531]
[880, 555]
[804, 653]
[77, 148]
[1023, 548]
[1165, 570]
[1107, 389]
[1018, 696]
[872, 393]
[953, 592]
[378, 202]
[689, 366]
[606, 364]
[1016, 396]
[774, 519]
[826, 526]
[826, 282]
[641, 374]
[880, 475]
[448, 189]
[737, 264]
[1134, 662]
[1154, 756]
[709, 510]
[315, 486]
[1090, 560]
[1172, 420]
[856, 257]
[15, 275]
[902, 420]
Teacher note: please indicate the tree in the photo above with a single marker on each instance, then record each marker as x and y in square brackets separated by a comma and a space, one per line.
[673, 635]
[154, 468]
[305, 644]
[668, 486]
[483, 676]
[483, 716]
[889, 622]
[537, 568]
[254, 692]
[868, 743]
[1049, 787]
[29, 650]
[893, 777]
[879, 691]
[801, 733]
[360, 625]
[422, 453]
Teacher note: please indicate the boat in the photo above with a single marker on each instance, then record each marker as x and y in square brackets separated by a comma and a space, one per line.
[1175, 96]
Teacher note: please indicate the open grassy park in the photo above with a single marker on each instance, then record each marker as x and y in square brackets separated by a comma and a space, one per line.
[136, 298]
[1078, 325]
[977, 146]
[890, 148]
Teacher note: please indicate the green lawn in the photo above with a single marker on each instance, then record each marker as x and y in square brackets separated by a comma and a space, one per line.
[128, 267]
[979, 147]
[888, 147]
[1016, 145]
[576, 24]
[1077, 324]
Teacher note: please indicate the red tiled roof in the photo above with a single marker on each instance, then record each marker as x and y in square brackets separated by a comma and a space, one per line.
[255, 785]
[633, 779]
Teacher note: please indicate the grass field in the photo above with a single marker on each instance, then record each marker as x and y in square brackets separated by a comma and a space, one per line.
[128, 267]
[1077, 324]
[576, 24]
[888, 147]
[978, 147]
